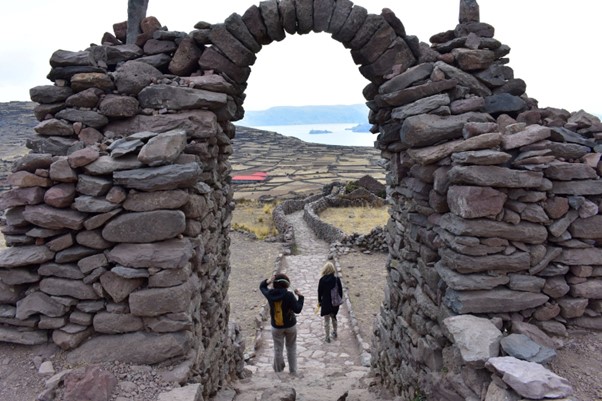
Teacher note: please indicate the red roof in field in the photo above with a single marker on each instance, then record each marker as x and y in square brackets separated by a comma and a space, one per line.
[259, 176]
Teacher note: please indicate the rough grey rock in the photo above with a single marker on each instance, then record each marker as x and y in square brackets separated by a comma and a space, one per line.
[179, 98]
[472, 202]
[159, 301]
[119, 106]
[117, 287]
[459, 281]
[50, 93]
[524, 232]
[138, 348]
[106, 165]
[190, 392]
[477, 339]
[159, 178]
[89, 382]
[16, 336]
[170, 254]
[54, 127]
[117, 323]
[64, 287]
[133, 76]
[141, 227]
[25, 256]
[49, 217]
[529, 379]
[90, 204]
[147, 201]
[522, 347]
[88, 117]
[39, 302]
[492, 301]
[163, 148]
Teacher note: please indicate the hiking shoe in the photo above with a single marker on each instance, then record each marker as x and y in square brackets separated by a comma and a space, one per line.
[327, 339]
[334, 334]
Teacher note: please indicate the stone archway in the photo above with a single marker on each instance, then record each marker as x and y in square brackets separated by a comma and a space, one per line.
[122, 210]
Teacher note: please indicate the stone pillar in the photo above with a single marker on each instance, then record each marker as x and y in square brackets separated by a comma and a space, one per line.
[136, 13]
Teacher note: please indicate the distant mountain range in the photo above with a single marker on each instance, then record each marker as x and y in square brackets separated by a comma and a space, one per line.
[301, 115]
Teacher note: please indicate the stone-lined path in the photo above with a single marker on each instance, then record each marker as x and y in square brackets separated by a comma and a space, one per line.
[325, 370]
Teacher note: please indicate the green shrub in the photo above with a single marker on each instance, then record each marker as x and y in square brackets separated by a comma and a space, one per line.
[351, 186]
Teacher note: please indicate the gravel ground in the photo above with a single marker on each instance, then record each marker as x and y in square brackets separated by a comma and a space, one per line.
[364, 274]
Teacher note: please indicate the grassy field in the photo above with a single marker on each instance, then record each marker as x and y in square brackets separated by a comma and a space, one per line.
[254, 217]
[359, 220]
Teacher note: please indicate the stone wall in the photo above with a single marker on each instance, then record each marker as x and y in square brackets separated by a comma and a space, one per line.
[118, 220]
[323, 230]
[495, 208]
[330, 233]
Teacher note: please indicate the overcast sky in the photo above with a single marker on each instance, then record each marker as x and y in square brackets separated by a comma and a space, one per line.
[555, 46]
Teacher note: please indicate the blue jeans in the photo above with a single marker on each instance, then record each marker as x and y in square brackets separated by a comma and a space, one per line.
[280, 337]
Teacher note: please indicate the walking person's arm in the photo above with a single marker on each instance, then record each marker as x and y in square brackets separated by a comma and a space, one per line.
[320, 291]
[298, 305]
[264, 286]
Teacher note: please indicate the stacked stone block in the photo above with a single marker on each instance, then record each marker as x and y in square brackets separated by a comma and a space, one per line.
[118, 219]
[494, 203]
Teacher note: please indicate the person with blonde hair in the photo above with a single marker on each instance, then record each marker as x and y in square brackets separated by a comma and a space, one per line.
[328, 282]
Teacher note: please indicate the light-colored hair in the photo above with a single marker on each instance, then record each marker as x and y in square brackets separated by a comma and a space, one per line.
[327, 269]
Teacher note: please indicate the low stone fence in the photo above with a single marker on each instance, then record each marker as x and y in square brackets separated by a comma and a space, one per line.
[374, 241]
[322, 229]
[327, 232]
[287, 207]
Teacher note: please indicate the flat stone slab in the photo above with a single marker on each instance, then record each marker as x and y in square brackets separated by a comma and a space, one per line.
[24, 256]
[477, 339]
[492, 301]
[137, 348]
[529, 379]
[23, 337]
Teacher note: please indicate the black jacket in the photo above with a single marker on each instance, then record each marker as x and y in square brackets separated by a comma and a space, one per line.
[290, 304]
[326, 284]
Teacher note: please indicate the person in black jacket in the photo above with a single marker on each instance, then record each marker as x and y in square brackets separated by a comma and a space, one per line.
[327, 282]
[283, 307]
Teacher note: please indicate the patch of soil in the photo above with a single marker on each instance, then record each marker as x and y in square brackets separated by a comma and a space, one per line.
[19, 378]
[364, 275]
[580, 362]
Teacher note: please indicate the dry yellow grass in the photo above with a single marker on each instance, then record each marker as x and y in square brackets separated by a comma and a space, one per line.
[254, 217]
[359, 220]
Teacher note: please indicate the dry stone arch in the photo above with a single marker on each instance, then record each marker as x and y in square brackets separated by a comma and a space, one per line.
[117, 222]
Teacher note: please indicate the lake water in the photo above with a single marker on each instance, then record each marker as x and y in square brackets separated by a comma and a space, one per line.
[339, 135]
